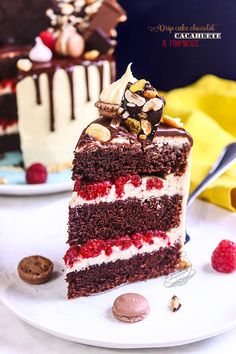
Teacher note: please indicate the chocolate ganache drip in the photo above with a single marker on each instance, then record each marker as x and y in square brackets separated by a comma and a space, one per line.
[50, 69]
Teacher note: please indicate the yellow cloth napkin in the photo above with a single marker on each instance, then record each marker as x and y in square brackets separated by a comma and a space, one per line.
[208, 109]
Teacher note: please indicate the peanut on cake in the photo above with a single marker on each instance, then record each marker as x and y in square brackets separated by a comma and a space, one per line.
[131, 180]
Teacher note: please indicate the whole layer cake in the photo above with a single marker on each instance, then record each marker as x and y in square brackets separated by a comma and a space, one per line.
[131, 171]
[57, 80]
[19, 24]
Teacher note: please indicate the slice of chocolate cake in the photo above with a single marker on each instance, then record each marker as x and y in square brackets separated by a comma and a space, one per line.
[131, 173]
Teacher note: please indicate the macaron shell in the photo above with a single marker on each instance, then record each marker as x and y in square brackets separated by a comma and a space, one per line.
[75, 45]
[35, 269]
[130, 307]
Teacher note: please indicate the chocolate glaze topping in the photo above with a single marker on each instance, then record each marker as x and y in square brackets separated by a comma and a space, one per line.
[121, 131]
[68, 64]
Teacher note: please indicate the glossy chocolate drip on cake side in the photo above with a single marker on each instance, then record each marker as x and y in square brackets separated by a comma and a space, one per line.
[167, 131]
[68, 65]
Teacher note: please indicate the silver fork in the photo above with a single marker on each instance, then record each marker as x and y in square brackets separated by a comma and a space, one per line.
[226, 158]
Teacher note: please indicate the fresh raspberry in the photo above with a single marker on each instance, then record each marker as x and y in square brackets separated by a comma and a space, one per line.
[48, 39]
[223, 258]
[36, 173]
[90, 191]
[152, 183]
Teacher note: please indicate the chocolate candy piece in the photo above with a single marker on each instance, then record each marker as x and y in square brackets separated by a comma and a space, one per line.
[130, 307]
[142, 103]
[107, 17]
[97, 39]
[35, 269]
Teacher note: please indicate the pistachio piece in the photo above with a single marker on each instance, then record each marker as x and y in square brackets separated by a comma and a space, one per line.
[134, 98]
[138, 85]
[146, 126]
[134, 125]
[142, 115]
[154, 104]
[150, 93]
[99, 132]
[173, 122]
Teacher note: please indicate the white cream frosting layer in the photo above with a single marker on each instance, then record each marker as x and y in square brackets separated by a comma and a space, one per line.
[117, 254]
[38, 143]
[171, 185]
[114, 92]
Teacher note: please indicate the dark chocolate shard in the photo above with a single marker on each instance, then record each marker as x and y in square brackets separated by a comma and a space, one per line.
[97, 39]
[108, 16]
[141, 103]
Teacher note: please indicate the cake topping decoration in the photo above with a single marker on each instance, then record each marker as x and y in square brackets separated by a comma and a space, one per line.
[172, 122]
[94, 20]
[70, 43]
[114, 92]
[141, 106]
[99, 132]
[132, 103]
[24, 65]
[40, 52]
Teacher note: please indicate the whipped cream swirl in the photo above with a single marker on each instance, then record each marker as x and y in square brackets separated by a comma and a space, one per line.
[114, 92]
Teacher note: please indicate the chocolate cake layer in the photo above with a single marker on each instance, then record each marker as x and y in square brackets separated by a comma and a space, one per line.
[8, 108]
[105, 276]
[113, 160]
[123, 217]
[9, 142]
[9, 55]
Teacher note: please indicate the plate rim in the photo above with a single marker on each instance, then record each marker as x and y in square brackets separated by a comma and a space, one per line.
[35, 189]
[112, 345]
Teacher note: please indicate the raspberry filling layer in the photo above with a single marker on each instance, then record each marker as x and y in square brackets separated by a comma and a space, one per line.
[4, 124]
[90, 191]
[8, 85]
[94, 248]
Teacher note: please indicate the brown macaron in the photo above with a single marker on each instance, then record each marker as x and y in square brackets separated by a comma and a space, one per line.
[130, 307]
[107, 110]
[35, 269]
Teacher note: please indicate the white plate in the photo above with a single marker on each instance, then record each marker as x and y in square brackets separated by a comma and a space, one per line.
[208, 298]
[36, 189]
[15, 177]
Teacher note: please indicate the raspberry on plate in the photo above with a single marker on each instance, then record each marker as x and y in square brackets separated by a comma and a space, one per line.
[223, 258]
[36, 173]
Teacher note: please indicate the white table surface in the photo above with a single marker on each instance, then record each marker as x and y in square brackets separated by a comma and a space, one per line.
[17, 337]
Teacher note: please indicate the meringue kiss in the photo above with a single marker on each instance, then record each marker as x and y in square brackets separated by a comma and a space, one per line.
[40, 52]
